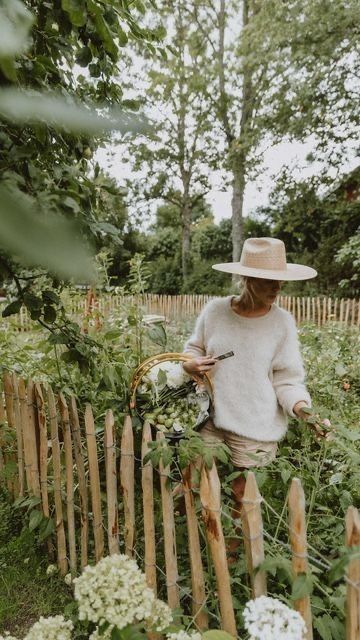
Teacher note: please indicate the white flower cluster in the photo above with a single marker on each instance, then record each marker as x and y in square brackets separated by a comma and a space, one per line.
[269, 619]
[52, 628]
[175, 374]
[115, 591]
[184, 635]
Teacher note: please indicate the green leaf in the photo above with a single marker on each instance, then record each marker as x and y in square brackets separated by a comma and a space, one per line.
[29, 107]
[157, 334]
[49, 241]
[47, 527]
[36, 518]
[15, 24]
[84, 57]
[49, 314]
[14, 306]
[321, 625]
[302, 586]
[76, 10]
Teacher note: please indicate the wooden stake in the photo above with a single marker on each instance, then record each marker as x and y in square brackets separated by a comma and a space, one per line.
[94, 483]
[33, 438]
[127, 483]
[148, 509]
[19, 436]
[197, 572]
[253, 535]
[352, 522]
[43, 458]
[43, 448]
[297, 529]
[111, 484]
[13, 482]
[69, 467]
[211, 503]
[83, 491]
[169, 535]
[55, 446]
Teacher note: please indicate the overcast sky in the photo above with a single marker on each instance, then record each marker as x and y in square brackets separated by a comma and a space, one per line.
[291, 155]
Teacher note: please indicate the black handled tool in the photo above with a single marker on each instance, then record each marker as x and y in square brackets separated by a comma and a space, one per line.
[229, 354]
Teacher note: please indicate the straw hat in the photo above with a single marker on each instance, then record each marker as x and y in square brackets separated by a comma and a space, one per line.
[266, 258]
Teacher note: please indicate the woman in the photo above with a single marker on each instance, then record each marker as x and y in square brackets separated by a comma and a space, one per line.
[263, 383]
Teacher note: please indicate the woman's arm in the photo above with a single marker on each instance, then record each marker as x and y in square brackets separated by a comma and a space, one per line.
[288, 373]
[196, 347]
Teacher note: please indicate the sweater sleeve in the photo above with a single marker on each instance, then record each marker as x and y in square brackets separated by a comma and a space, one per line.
[288, 372]
[196, 344]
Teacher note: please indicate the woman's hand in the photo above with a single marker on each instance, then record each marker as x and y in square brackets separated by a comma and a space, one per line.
[322, 428]
[197, 367]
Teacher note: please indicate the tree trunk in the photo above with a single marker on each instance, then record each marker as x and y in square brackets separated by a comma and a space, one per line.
[186, 230]
[237, 201]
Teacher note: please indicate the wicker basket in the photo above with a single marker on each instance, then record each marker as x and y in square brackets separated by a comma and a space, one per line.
[146, 365]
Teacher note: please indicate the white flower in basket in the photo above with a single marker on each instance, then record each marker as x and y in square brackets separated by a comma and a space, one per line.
[169, 398]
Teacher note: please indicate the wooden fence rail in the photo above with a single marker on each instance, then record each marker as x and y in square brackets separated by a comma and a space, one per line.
[317, 310]
[64, 461]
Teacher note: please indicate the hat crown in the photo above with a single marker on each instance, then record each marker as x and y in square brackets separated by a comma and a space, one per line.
[264, 253]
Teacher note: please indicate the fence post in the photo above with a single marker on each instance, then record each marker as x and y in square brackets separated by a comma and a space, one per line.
[253, 535]
[94, 483]
[19, 428]
[197, 572]
[33, 437]
[13, 483]
[297, 529]
[211, 503]
[148, 508]
[43, 457]
[169, 534]
[111, 484]
[127, 482]
[55, 447]
[352, 522]
[69, 470]
[83, 491]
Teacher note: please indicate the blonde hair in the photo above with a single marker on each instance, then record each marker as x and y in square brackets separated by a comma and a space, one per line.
[245, 297]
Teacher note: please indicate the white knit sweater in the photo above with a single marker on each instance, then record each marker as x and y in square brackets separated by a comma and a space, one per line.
[261, 383]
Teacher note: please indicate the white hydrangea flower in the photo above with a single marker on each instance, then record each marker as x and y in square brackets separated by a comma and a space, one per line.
[68, 579]
[175, 374]
[52, 628]
[184, 635]
[114, 591]
[161, 616]
[51, 570]
[270, 619]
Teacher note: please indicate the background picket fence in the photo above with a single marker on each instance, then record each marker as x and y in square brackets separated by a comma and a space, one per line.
[79, 472]
[317, 310]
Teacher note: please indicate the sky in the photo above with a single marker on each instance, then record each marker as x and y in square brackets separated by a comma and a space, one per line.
[257, 192]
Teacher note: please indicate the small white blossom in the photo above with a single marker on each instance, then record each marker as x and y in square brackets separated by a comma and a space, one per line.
[184, 635]
[269, 619]
[161, 616]
[52, 628]
[68, 579]
[51, 570]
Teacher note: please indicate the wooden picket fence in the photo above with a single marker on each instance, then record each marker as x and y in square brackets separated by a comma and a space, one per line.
[317, 310]
[70, 464]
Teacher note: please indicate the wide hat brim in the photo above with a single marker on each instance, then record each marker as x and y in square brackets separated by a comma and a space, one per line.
[292, 271]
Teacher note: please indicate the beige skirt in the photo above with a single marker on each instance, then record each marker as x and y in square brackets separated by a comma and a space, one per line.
[245, 452]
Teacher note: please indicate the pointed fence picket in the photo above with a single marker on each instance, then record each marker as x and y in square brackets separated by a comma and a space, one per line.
[63, 473]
